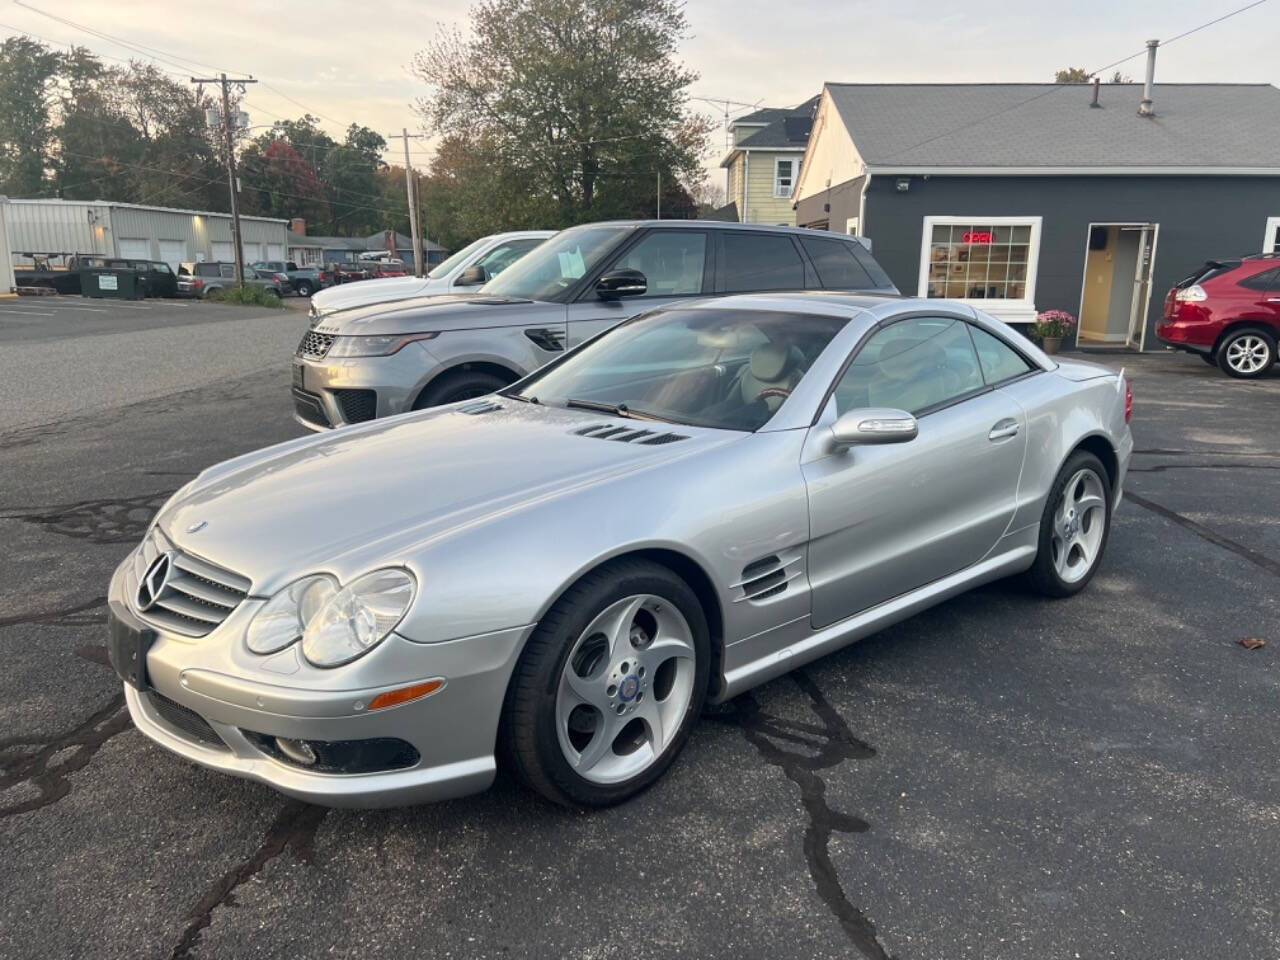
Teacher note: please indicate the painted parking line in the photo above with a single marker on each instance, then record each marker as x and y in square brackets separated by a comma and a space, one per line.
[28, 313]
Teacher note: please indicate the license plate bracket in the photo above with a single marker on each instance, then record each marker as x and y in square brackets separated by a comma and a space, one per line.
[299, 378]
[127, 648]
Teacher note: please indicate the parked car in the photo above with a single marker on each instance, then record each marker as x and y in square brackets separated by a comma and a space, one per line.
[201, 279]
[386, 268]
[561, 574]
[467, 270]
[418, 353]
[346, 272]
[1228, 312]
[304, 281]
[156, 277]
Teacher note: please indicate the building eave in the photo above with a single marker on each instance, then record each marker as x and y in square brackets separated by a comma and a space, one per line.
[1101, 171]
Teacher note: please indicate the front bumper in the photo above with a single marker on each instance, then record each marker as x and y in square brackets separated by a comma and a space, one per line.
[321, 400]
[453, 730]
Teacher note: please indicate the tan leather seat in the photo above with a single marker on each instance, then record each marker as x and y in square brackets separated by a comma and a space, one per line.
[771, 373]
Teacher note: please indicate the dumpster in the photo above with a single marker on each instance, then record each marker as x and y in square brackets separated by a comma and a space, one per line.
[120, 283]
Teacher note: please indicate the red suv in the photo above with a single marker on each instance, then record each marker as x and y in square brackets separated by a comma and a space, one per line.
[1228, 311]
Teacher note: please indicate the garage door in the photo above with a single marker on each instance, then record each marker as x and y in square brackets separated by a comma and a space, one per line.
[134, 248]
[173, 252]
[275, 251]
[223, 251]
[252, 252]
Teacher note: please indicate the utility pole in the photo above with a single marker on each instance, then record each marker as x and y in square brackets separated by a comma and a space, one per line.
[413, 206]
[659, 195]
[228, 132]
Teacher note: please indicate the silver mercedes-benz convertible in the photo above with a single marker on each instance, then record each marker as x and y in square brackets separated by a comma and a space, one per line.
[558, 576]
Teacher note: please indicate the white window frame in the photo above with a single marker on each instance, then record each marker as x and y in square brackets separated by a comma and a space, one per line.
[795, 175]
[1271, 239]
[1010, 311]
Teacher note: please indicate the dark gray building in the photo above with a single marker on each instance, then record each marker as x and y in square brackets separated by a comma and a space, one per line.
[1026, 197]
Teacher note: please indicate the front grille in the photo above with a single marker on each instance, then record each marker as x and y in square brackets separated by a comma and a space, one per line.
[309, 408]
[357, 406]
[315, 346]
[185, 720]
[196, 595]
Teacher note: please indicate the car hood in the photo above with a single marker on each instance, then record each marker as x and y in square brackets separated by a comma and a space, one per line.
[366, 292]
[451, 311]
[345, 500]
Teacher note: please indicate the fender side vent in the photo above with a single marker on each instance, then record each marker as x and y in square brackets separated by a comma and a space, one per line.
[548, 339]
[766, 577]
[477, 407]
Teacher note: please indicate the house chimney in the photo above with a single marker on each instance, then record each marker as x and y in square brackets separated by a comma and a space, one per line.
[298, 226]
[1144, 108]
[1094, 101]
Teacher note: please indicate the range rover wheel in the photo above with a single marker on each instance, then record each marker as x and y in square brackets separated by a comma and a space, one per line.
[608, 686]
[1247, 353]
[1073, 528]
[458, 385]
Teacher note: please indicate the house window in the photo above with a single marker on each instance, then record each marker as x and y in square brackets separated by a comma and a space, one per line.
[969, 258]
[784, 176]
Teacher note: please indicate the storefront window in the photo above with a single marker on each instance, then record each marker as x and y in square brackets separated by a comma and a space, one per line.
[980, 261]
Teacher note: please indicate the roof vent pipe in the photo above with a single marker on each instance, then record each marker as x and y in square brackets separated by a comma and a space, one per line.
[1094, 101]
[1144, 108]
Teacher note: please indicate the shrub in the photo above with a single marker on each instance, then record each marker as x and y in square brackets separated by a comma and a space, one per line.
[250, 295]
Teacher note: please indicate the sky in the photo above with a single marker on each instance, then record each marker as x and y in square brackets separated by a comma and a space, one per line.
[351, 62]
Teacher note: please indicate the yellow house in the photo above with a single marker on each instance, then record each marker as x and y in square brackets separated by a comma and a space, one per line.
[763, 165]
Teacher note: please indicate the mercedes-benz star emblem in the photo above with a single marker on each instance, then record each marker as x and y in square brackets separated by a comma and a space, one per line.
[197, 526]
[154, 582]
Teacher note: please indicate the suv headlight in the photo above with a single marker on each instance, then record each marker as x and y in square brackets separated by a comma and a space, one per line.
[375, 346]
[358, 617]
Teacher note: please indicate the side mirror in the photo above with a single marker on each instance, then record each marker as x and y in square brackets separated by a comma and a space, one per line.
[873, 425]
[621, 283]
[473, 276]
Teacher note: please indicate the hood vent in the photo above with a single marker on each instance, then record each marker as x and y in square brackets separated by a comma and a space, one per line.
[766, 577]
[608, 431]
[477, 407]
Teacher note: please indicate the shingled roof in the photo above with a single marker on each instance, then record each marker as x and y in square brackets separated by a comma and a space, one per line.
[1017, 125]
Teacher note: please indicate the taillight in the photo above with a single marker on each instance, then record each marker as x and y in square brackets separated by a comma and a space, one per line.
[1192, 294]
[1128, 402]
[196, 283]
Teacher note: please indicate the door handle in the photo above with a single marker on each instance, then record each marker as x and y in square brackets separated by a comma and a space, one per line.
[1003, 430]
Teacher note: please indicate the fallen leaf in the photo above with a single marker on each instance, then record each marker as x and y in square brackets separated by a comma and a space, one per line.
[1252, 643]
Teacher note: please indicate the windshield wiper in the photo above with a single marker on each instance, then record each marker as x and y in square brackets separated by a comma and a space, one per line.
[521, 397]
[617, 409]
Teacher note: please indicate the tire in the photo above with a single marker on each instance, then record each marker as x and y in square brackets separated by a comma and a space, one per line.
[458, 385]
[577, 754]
[1247, 353]
[1054, 574]
[303, 288]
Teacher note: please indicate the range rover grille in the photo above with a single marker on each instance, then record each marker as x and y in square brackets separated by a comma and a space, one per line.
[315, 346]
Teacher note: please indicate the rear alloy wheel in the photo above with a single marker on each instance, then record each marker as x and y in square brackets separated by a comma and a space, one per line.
[1073, 528]
[303, 288]
[608, 686]
[1247, 353]
[458, 385]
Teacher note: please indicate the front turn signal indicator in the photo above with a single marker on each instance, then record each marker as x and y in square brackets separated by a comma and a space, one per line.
[415, 691]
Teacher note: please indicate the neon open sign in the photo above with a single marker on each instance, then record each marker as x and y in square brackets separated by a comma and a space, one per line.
[976, 236]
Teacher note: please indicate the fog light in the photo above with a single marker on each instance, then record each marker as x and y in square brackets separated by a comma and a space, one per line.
[299, 751]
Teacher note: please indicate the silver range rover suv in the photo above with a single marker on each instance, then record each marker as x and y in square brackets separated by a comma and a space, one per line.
[388, 358]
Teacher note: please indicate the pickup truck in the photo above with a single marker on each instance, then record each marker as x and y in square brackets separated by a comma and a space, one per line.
[304, 280]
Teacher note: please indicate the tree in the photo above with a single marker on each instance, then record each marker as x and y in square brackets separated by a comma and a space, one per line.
[350, 178]
[565, 110]
[277, 182]
[27, 71]
[1078, 75]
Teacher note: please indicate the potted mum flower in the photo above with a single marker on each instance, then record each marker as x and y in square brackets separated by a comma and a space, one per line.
[1051, 326]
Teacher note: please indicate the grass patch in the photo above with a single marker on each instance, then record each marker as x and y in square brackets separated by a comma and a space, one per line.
[250, 295]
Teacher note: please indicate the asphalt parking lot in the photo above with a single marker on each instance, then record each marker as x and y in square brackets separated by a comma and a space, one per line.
[1000, 777]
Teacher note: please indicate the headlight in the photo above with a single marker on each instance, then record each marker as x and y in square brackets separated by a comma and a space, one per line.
[286, 615]
[357, 617]
[379, 346]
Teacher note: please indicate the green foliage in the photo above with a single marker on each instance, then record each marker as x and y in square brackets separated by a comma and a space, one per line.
[1072, 75]
[552, 112]
[27, 71]
[250, 295]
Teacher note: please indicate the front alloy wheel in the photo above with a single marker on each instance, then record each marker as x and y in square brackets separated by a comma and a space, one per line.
[1247, 354]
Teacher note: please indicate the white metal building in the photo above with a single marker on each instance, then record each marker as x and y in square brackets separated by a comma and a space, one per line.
[6, 261]
[136, 232]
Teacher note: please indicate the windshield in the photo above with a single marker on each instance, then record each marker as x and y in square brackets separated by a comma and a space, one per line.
[556, 265]
[710, 367]
[443, 268]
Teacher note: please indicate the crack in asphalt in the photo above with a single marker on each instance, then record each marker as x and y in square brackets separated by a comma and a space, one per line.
[1162, 467]
[1157, 452]
[1200, 530]
[74, 616]
[106, 520]
[822, 746]
[52, 781]
[294, 828]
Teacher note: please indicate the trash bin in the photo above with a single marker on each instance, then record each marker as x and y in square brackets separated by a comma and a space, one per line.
[120, 283]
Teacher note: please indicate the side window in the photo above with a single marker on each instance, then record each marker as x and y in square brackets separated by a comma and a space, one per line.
[207, 269]
[911, 365]
[761, 261]
[998, 360]
[228, 270]
[504, 255]
[1266, 280]
[835, 263]
[671, 261]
